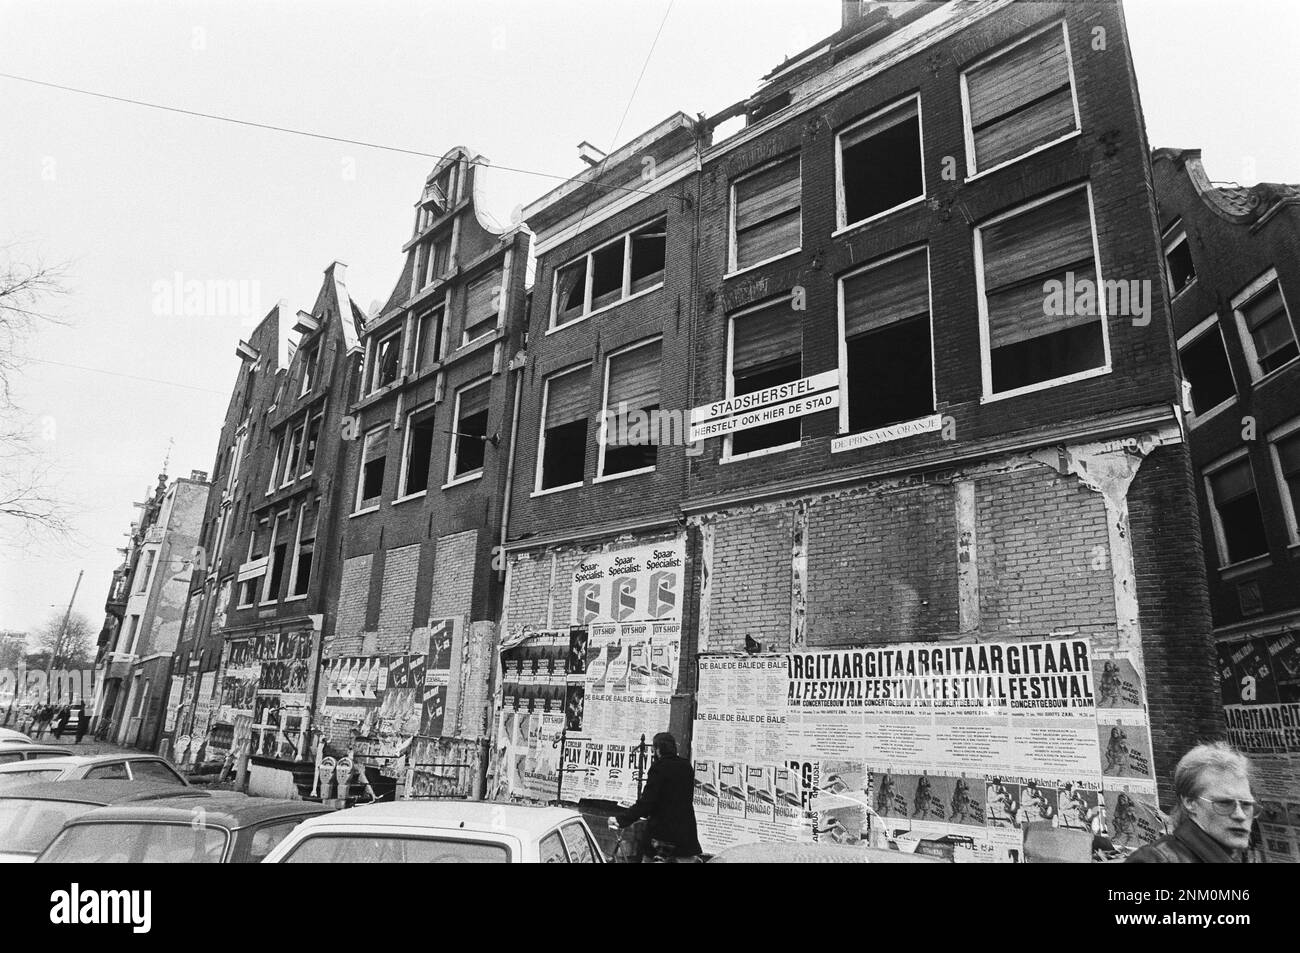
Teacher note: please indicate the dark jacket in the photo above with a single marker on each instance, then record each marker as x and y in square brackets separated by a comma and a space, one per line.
[666, 801]
[1188, 844]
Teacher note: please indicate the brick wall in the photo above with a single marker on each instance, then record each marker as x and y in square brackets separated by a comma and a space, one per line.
[397, 604]
[751, 579]
[351, 615]
[1043, 554]
[453, 574]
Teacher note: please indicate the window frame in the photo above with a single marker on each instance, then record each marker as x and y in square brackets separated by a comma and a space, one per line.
[541, 434]
[275, 464]
[727, 456]
[1191, 337]
[1244, 297]
[841, 225]
[732, 267]
[272, 565]
[298, 433]
[601, 476]
[292, 596]
[1216, 521]
[1289, 429]
[987, 395]
[317, 418]
[436, 312]
[842, 427]
[1178, 236]
[477, 473]
[310, 367]
[972, 170]
[499, 293]
[376, 343]
[625, 295]
[357, 508]
[402, 495]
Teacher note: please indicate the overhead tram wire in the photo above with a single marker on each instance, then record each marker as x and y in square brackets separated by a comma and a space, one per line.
[133, 377]
[302, 132]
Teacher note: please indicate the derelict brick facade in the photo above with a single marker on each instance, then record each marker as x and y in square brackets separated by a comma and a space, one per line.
[751, 580]
[454, 575]
[397, 602]
[350, 619]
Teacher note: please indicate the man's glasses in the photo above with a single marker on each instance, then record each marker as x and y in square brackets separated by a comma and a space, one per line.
[1224, 806]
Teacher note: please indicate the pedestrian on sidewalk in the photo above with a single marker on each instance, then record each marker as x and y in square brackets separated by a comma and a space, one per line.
[61, 721]
[1213, 814]
[82, 721]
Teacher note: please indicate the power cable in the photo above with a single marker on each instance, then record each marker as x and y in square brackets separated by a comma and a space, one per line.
[133, 377]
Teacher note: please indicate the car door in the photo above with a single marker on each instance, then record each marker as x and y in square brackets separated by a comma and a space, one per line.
[551, 849]
[581, 848]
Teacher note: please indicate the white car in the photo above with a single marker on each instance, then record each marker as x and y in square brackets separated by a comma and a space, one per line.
[446, 832]
[10, 737]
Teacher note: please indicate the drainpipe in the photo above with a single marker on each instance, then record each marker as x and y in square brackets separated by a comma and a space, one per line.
[510, 470]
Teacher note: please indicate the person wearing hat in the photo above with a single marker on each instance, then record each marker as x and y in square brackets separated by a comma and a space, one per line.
[666, 803]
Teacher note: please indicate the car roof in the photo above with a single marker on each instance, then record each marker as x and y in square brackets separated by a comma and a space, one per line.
[77, 760]
[815, 854]
[35, 748]
[518, 820]
[223, 809]
[96, 792]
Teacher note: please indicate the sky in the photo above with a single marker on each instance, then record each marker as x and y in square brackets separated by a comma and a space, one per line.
[131, 200]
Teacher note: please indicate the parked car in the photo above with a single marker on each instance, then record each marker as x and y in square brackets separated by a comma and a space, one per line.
[446, 832]
[10, 737]
[32, 814]
[815, 854]
[11, 754]
[106, 767]
[222, 829]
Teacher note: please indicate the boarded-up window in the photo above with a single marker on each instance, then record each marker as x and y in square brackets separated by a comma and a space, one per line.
[887, 342]
[1020, 99]
[1205, 366]
[880, 163]
[564, 431]
[482, 303]
[767, 213]
[766, 350]
[1272, 337]
[630, 402]
[469, 443]
[1232, 492]
[1033, 338]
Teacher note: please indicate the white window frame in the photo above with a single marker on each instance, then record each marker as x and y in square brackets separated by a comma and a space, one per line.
[541, 433]
[732, 268]
[428, 278]
[972, 172]
[297, 553]
[601, 476]
[437, 313]
[1220, 538]
[987, 396]
[626, 292]
[843, 428]
[727, 455]
[841, 224]
[275, 464]
[1288, 508]
[298, 433]
[372, 377]
[452, 479]
[269, 598]
[311, 419]
[1243, 298]
[402, 495]
[1191, 337]
[150, 557]
[311, 361]
[357, 509]
[1179, 237]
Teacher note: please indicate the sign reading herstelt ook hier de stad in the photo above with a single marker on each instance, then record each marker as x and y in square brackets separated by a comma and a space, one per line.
[808, 395]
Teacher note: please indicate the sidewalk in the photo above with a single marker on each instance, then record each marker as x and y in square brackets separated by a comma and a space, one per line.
[88, 745]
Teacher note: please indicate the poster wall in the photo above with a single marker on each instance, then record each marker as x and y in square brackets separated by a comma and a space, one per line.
[1260, 681]
[954, 746]
[386, 701]
[265, 680]
[542, 693]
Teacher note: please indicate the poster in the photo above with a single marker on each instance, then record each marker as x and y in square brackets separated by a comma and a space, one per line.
[173, 702]
[385, 701]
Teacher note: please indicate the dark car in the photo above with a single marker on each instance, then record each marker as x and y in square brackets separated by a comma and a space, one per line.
[223, 829]
[32, 814]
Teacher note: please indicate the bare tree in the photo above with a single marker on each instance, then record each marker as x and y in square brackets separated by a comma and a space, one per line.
[58, 646]
[27, 500]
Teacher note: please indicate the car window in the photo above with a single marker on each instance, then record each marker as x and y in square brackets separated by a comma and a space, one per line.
[28, 825]
[13, 779]
[154, 771]
[552, 849]
[575, 838]
[115, 771]
[360, 849]
[9, 757]
[42, 755]
[267, 836]
[136, 843]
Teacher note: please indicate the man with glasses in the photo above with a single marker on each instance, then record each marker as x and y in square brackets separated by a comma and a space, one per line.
[1214, 812]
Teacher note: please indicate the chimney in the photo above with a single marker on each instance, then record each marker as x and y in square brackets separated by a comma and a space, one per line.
[199, 476]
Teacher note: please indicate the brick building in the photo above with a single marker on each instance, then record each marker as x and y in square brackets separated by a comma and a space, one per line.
[424, 480]
[146, 602]
[883, 231]
[264, 598]
[1232, 257]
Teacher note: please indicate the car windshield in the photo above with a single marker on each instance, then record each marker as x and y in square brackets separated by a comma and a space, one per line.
[28, 824]
[362, 849]
[137, 842]
[13, 779]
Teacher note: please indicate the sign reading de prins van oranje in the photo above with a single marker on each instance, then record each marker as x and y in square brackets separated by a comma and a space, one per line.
[640, 584]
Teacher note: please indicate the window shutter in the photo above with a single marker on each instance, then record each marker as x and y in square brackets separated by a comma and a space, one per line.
[765, 336]
[634, 378]
[894, 291]
[481, 299]
[376, 446]
[1022, 99]
[474, 400]
[880, 124]
[1288, 453]
[566, 398]
[1022, 253]
[1232, 482]
[768, 213]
